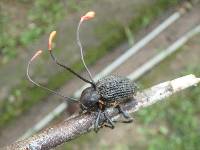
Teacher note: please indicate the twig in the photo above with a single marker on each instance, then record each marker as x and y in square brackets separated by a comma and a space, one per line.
[80, 124]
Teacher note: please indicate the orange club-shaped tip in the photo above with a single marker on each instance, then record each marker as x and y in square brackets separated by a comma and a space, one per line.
[36, 54]
[51, 37]
[88, 15]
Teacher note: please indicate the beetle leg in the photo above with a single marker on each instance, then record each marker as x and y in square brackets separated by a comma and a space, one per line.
[110, 122]
[83, 109]
[125, 115]
[96, 125]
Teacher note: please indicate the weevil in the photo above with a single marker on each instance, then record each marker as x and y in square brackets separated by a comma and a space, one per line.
[109, 91]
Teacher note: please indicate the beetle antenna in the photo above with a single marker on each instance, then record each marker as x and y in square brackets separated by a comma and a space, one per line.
[51, 37]
[41, 86]
[87, 16]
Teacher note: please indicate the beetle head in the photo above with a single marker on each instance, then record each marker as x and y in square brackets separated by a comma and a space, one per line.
[89, 98]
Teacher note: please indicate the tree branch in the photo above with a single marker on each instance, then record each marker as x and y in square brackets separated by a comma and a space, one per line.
[77, 125]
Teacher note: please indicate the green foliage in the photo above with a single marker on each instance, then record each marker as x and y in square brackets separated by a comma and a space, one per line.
[45, 13]
[41, 18]
[7, 44]
[177, 119]
[75, 6]
[30, 35]
[181, 127]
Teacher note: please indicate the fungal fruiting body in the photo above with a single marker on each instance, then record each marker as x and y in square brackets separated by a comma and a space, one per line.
[110, 91]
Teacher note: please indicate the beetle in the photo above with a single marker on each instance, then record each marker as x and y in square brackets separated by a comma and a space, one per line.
[109, 91]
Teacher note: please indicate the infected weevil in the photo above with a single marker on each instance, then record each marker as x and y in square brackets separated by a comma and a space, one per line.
[110, 91]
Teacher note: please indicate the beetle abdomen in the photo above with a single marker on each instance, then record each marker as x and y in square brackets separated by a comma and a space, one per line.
[113, 88]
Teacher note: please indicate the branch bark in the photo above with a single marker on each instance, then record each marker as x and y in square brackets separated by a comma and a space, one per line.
[77, 125]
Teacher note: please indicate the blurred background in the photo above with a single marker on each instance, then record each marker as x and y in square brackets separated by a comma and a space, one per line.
[119, 25]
